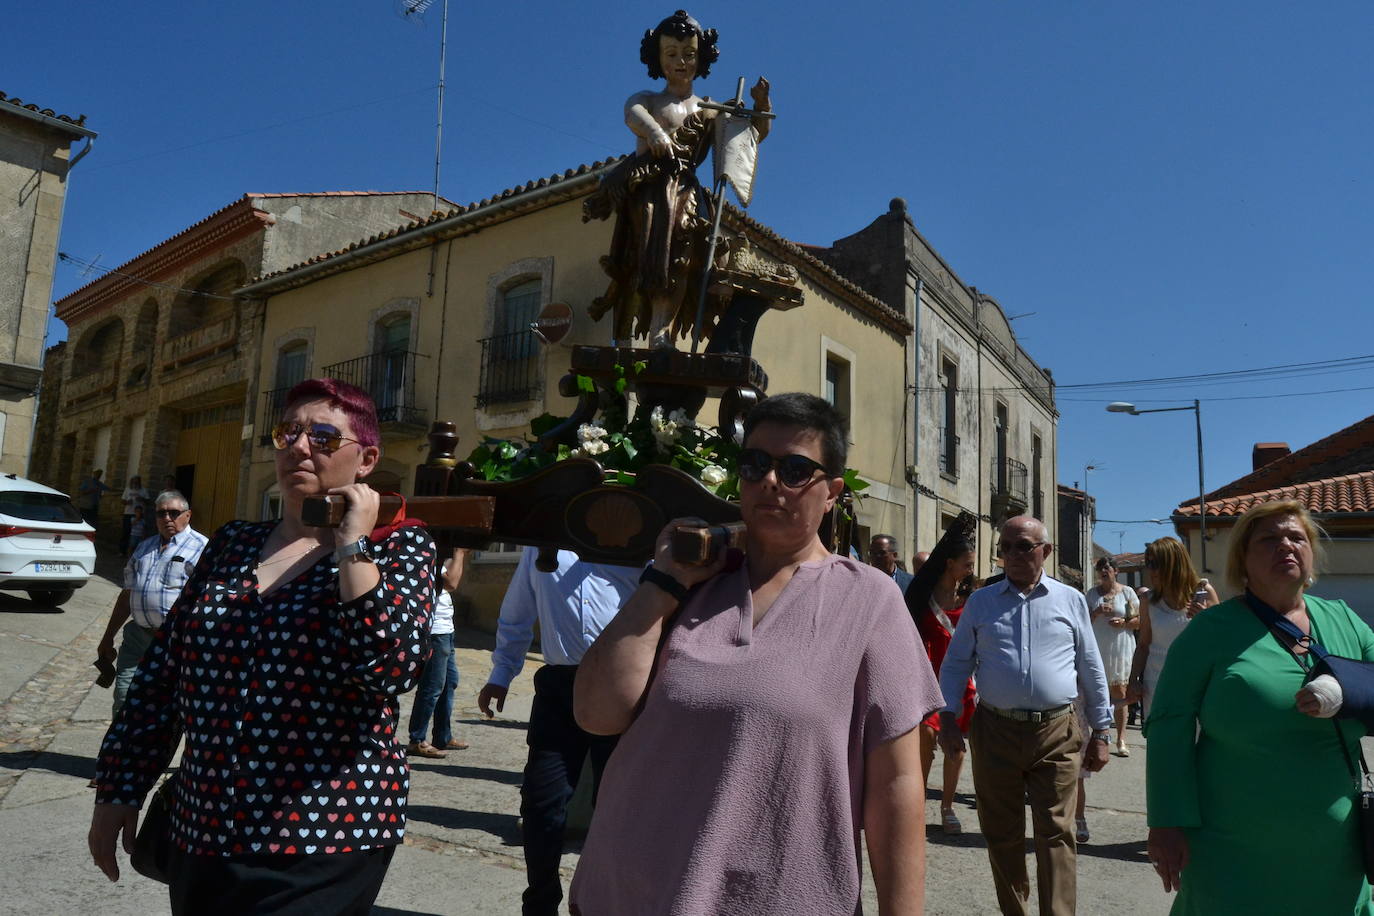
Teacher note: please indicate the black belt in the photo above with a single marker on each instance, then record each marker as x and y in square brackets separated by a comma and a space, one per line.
[1029, 715]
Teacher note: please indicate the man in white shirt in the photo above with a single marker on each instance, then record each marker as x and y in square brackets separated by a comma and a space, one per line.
[572, 605]
[153, 579]
[1029, 643]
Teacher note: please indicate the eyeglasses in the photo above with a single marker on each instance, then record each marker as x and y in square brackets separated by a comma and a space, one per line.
[1019, 546]
[321, 436]
[170, 513]
[793, 470]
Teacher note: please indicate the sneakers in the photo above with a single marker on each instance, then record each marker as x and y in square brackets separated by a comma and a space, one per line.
[949, 822]
[1080, 832]
[424, 749]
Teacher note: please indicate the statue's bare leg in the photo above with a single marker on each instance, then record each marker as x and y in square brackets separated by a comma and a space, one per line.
[664, 308]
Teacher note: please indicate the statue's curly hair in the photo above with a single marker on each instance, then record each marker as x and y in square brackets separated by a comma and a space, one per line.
[679, 25]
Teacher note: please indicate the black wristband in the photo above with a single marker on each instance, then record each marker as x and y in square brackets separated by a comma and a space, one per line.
[665, 582]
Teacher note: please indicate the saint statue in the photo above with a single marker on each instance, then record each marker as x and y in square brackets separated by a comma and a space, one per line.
[663, 215]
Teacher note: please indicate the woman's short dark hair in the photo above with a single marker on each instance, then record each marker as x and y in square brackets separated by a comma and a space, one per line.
[1104, 563]
[679, 25]
[807, 412]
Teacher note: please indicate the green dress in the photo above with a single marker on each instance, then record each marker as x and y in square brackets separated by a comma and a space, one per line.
[1261, 790]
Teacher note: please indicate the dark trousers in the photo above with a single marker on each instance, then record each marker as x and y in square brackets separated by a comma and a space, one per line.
[342, 884]
[557, 749]
[126, 525]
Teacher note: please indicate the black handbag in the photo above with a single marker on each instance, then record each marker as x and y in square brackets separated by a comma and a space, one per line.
[1355, 676]
[153, 844]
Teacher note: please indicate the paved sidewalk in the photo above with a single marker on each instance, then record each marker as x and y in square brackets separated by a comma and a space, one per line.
[462, 851]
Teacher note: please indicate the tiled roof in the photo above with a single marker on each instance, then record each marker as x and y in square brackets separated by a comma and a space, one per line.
[242, 203]
[340, 194]
[453, 223]
[1128, 560]
[79, 121]
[1346, 451]
[1348, 493]
[434, 221]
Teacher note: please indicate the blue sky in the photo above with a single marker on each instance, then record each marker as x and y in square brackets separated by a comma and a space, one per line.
[1168, 188]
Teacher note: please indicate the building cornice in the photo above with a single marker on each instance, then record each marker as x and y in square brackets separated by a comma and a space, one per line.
[235, 222]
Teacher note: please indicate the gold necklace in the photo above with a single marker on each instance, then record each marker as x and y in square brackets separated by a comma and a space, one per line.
[294, 556]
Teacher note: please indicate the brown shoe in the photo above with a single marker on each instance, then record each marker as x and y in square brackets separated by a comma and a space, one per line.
[455, 745]
[424, 749]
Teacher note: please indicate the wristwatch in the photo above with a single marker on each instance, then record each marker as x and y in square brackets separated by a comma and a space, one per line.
[664, 581]
[1101, 735]
[352, 549]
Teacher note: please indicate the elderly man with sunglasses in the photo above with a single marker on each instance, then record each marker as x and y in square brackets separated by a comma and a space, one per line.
[1028, 641]
[153, 579]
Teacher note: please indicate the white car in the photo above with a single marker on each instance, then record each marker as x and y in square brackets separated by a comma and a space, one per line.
[46, 549]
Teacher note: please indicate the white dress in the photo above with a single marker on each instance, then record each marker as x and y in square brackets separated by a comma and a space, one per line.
[1115, 644]
[1165, 625]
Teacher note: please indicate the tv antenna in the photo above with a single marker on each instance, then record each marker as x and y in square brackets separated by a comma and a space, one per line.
[92, 266]
[414, 11]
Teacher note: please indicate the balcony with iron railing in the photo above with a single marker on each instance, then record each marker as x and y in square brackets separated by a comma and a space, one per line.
[272, 403]
[199, 344]
[1008, 485]
[949, 453]
[510, 369]
[389, 377]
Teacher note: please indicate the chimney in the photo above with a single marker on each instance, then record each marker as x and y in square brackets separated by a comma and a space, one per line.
[1268, 452]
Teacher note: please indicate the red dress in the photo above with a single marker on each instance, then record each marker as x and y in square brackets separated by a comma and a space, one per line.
[936, 639]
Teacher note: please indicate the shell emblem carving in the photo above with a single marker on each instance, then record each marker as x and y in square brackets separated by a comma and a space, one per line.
[614, 520]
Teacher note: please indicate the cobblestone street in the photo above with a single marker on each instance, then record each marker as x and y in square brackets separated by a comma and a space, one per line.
[462, 851]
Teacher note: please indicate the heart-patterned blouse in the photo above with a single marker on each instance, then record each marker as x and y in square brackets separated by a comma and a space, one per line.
[288, 702]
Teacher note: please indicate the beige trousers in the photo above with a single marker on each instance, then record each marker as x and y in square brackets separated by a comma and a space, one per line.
[1012, 761]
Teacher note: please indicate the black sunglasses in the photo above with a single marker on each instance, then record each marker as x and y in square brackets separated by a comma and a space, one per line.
[321, 436]
[169, 513]
[793, 470]
[1019, 546]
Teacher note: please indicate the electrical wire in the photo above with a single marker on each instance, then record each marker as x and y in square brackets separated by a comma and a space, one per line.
[111, 272]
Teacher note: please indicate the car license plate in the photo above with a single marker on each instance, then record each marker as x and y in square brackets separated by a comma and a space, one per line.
[52, 567]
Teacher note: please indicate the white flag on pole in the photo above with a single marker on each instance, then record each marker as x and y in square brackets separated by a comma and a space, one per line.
[737, 156]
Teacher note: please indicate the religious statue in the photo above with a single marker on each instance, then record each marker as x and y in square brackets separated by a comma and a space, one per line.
[664, 217]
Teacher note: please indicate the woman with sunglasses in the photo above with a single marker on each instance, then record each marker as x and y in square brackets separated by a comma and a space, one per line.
[282, 663]
[1175, 596]
[768, 703]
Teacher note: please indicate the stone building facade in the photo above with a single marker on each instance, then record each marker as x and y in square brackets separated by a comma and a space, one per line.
[35, 161]
[981, 415]
[154, 377]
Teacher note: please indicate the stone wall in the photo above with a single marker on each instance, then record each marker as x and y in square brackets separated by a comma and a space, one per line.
[33, 168]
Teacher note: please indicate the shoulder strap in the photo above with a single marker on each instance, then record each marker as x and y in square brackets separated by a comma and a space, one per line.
[1277, 624]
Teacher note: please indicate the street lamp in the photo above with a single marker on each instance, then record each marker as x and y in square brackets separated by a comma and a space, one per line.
[1126, 407]
[1087, 528]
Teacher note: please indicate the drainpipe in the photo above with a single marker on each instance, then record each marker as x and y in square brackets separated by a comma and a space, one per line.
[916, 413]
[978, 476]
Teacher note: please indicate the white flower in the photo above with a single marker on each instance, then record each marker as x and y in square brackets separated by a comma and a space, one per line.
[679, 418]
[590, 432]
[713, 475]
[596, 446]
